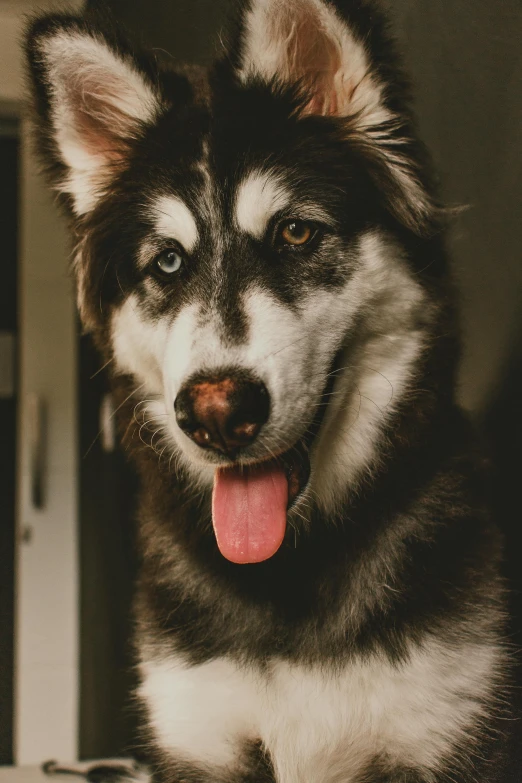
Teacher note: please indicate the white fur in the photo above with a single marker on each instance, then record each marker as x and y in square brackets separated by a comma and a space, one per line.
[258, 198]
[319, 724]
[79, 64]
[373, 380]
[174, 220]
[82, 282]
[262, 194]
[182, 717]
[139, 345]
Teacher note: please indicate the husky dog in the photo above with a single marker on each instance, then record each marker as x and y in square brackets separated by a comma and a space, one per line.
[260, 256]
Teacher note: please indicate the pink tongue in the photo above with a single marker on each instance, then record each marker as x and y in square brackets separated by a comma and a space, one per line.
[249, 512]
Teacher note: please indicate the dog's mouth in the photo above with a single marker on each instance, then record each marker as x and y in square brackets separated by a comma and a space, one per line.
[250, 504]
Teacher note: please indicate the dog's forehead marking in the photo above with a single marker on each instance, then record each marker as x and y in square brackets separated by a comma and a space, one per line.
[259, 196]
[174, 220]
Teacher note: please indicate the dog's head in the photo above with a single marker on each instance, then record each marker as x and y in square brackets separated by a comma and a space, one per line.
[245, 246]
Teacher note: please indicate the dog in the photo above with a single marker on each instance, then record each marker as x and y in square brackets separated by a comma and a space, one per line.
[260, 258]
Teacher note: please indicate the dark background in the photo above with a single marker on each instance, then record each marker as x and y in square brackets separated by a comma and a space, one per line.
[466, 62]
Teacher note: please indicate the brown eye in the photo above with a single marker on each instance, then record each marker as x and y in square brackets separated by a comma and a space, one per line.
[296, 233]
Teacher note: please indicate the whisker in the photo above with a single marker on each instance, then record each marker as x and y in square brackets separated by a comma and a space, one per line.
[101, 281]
[373, 403]
[285, 347]
[101, 369]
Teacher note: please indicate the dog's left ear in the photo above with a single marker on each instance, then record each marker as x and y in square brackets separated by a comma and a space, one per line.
[310, 44]
[94, 98]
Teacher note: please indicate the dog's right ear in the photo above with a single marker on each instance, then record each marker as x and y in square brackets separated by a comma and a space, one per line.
[93, 97]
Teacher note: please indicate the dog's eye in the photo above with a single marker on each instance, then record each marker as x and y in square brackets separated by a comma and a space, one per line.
[295, 233]
[168, 262]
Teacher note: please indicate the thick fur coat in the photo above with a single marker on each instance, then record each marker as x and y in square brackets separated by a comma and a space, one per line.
[274, 219]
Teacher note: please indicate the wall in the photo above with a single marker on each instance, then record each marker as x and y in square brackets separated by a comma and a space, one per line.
[465, 60]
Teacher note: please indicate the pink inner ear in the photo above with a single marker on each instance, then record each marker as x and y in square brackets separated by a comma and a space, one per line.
[102, 127]
[312, 58]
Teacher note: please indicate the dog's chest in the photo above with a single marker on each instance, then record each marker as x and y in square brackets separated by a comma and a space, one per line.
[317, 724]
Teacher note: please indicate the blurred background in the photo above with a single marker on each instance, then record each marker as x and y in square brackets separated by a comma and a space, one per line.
[66, 507]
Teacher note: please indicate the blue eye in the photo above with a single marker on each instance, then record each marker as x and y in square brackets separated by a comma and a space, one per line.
[169, 262]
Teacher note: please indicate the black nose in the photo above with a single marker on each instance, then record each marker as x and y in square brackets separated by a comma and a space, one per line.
[223, 412]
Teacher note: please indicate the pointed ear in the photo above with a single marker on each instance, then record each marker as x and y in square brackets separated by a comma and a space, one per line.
[93, 99]
[341, 67]
[307, 42]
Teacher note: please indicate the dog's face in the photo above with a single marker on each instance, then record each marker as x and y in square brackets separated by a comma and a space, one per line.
[238, 249]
